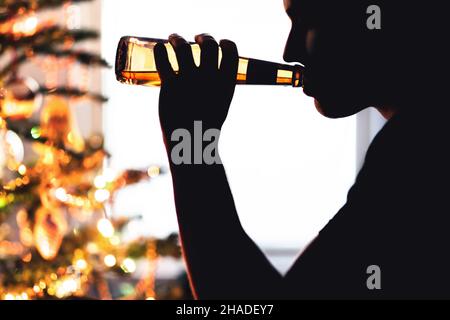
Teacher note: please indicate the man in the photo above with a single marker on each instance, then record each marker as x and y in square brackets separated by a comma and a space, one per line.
[390, 239]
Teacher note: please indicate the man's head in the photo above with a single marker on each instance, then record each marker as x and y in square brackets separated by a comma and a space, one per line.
[350, 66]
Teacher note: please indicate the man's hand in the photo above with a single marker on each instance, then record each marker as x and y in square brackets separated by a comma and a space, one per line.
[206, 213]
[202, 93]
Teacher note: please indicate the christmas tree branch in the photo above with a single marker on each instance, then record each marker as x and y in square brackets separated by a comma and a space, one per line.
[12, 9]
[12, 66]
[47, 37]
[82, 57]
[72, 92]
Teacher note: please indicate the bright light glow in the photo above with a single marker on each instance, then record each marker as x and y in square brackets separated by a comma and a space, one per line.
[35, 132]
[9, 296]
[81, 264]
[22, 169]
[128, 265]
[109, 174]
[105, 227]
[61, 194]
[110, 260]
[101, 195]
[15, 144]
[26, 27]
[100, 182]
[66, 287]
[92, 248]
[114, 240]
[153, 171]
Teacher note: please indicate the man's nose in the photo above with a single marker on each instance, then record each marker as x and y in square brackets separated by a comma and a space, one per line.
[295, 50]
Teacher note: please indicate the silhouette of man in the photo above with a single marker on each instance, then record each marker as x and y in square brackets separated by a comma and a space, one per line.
[396, 218]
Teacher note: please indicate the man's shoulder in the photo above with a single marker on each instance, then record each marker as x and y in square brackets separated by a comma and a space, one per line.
[396, 217]
[410, 139]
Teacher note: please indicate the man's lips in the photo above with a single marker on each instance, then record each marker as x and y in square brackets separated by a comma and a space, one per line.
[308, 87]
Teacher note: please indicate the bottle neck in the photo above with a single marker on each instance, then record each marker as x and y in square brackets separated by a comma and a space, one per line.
[269, 73]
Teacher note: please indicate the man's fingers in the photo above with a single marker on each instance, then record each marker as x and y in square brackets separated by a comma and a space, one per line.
[230, 60]
[163, 65]
[183, 52]
[209, 53]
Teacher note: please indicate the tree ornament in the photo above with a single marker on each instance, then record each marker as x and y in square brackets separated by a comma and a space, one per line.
[21, 98]
[58, 124]
[49, 229]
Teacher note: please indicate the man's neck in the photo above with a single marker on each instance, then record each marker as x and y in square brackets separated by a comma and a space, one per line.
[387, 112]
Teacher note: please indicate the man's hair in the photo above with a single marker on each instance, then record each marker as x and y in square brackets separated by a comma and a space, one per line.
[411, 44]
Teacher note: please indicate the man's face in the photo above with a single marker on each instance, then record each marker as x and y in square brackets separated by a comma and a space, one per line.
[328, 40]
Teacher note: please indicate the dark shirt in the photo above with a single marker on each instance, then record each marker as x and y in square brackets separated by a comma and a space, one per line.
[396, 217]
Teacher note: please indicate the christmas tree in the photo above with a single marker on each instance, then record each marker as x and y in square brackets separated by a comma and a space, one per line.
[57, 238]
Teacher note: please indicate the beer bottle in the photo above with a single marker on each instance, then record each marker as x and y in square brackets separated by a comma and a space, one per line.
[135, 64]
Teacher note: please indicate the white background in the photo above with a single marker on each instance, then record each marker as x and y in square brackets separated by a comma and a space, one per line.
[289, 172]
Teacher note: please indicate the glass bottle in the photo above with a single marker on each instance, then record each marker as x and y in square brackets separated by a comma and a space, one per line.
[135, 64]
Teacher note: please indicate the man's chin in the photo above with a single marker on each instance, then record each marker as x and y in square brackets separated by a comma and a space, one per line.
[334, 110]
[319, 107]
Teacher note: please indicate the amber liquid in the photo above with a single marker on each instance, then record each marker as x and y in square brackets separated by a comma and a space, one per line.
[135, 64]
[151, 78]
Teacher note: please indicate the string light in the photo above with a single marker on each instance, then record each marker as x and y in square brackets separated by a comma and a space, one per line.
[92, 248]
[3, 201]
[66, 287]
[81, 264]
[105, 228]
[26, 26]
[101, 195]
[36, 132]
[22, 169]
[128, 265]
[153, 171]
[9, 296]
[24, 296]
[100, 182]
[110, 260]
[114, 240]
[42, 284]
[61, 194]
